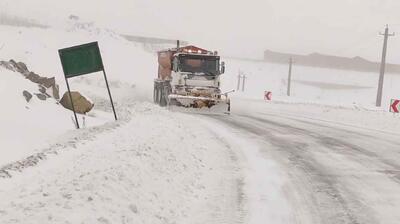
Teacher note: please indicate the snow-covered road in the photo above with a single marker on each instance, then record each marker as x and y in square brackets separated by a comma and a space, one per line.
[330, 173]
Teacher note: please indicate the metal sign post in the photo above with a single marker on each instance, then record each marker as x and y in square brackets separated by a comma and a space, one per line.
[109, 94]
[72, 104]
[81, 60]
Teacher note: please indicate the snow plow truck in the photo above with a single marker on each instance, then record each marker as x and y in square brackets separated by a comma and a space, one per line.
[189, 77]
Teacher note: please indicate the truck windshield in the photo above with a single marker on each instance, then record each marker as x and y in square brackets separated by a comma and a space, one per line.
[207, 65]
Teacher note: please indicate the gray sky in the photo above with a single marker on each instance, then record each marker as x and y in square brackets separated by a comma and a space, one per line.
[242, 28]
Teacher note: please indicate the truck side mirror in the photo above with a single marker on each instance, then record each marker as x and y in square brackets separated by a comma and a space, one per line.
[175, 65]
[222, 67]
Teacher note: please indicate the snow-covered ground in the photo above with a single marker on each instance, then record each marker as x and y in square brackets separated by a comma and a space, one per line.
[368, 118]
[157, 166]
[339, 96]
[39, 122]
[26, 127]
[152, 166]
[311, 85]
[131, 172]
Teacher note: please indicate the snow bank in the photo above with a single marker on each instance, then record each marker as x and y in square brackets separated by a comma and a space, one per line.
[27, 126]
[143, 171]
[352, 116]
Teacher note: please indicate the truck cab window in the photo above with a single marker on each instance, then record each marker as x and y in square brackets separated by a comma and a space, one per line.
[207, 65]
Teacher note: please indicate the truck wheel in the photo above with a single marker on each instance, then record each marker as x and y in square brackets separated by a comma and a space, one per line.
[167, 92]
[155, 94]
[158, 95]
[163, 100]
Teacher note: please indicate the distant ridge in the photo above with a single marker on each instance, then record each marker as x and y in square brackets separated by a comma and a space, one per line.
[329, 61]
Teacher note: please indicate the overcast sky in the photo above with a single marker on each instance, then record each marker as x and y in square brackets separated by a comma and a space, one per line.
[241, 28]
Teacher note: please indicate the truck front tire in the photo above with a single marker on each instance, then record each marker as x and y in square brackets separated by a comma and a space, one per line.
[161, 93]
[155, 92]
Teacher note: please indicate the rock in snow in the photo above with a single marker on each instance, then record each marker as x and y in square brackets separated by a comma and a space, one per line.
[41, 96]
[27, 95]
[42, 89]
[21, 68]
[81, 104]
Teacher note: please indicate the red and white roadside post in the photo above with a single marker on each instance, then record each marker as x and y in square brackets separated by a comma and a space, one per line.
[267, 95]
[395, 106]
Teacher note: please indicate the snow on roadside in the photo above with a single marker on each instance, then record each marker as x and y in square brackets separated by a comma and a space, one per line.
[156, 168]
[356, 116]
[27, 126]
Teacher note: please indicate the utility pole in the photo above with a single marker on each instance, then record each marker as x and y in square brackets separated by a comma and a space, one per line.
[383, 64]
[241, 79]
[244, 81]
[290, 76]
[238, 82]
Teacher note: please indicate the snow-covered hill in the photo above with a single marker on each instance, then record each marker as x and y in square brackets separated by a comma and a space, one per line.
[130, 69]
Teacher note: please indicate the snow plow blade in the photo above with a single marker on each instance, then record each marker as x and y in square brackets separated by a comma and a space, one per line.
[195, 104]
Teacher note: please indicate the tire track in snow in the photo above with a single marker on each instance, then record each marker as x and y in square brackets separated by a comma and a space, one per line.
[322, 192]
[361, 154]
[231, 185]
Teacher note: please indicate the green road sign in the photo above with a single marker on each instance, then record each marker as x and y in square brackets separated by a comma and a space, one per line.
[80, 60]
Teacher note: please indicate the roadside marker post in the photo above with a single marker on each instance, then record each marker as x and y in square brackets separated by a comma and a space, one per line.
[289, 84]
[395, 106]
[268, 95]
[81, 60]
